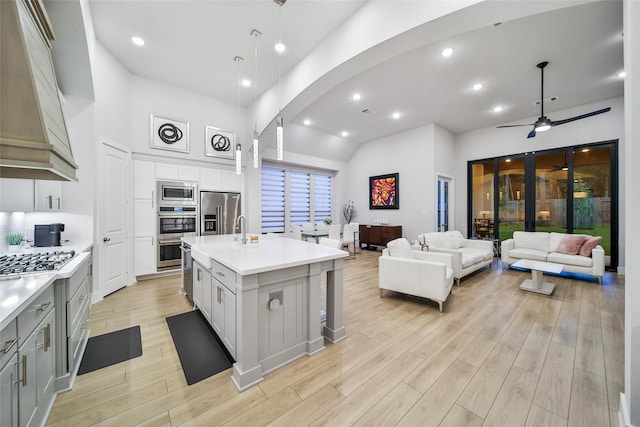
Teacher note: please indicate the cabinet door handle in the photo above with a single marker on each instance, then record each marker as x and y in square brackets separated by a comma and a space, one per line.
[152, 200]
[199, 275]
[9, 345]
[23, 362]
[47, 337]
[58, 203]
[44, 306]
[50, 197]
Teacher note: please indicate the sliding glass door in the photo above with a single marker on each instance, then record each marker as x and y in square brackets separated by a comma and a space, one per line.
[567, 190]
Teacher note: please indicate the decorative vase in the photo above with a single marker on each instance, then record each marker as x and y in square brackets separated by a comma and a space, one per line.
[14, 248]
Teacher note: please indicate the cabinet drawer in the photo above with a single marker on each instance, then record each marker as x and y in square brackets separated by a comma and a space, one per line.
[8, 342]
[29, 318]
[75, 304]
[225, 275]
[75, 281]
[75, 338]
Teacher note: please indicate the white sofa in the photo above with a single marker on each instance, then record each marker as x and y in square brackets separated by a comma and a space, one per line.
[423, 274]
[469, 255]
[542, 246]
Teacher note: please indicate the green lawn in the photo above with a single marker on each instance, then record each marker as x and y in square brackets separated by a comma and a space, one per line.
[506, 232]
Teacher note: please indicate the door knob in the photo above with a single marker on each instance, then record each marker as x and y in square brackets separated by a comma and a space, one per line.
[106, 239]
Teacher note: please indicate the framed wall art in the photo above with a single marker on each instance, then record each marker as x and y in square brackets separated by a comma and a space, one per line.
[383, 192]
[219, 143]
[169, 134]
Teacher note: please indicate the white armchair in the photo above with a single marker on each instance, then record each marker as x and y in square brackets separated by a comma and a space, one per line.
[423, 274]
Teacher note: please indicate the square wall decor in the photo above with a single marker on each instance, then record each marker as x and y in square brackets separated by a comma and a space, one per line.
[169, 134]
[219, 143]
[383, 191]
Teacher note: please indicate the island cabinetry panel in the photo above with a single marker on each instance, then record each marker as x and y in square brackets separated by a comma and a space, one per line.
[31, 390]
[73, 297]
[224, 315]
[379, 235]
[202, 290]
[9, 375]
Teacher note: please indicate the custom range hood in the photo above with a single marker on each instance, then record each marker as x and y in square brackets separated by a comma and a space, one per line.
[33, 134]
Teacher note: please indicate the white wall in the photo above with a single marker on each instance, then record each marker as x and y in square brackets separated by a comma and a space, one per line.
[112, 84]
[491, 142]
[411, 154]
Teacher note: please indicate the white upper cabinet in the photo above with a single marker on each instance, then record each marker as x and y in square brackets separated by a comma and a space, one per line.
[16, 195]
[231, 181]
[167, 171]
[144, 179]
[48, 195]
[189, 173]
[210, 179]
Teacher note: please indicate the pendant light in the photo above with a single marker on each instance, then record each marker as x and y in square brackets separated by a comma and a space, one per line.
[256, 143]
[238, 59]
[279, 119]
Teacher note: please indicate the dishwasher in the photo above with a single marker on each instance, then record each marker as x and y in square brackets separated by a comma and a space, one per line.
[187, 272]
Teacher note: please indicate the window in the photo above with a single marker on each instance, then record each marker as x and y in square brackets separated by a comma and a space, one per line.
[293, 197]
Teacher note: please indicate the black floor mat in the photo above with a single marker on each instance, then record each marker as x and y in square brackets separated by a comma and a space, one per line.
[109, 349]
[199, 348]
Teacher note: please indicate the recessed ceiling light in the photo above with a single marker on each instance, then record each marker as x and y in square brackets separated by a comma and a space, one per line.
[477, 86]
[246, 82]
[356, 96]
[396, 115]
[280, 47]
[497, 109]
[622, 74]
[138, 41]
[447, 52]
[307, 122]
[344, 134]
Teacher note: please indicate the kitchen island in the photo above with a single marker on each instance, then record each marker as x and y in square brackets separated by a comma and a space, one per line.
[272, 292]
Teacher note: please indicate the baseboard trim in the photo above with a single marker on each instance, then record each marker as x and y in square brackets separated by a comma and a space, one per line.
[623, 414]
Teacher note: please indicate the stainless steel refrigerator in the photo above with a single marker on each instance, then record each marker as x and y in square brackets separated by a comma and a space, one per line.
[218, 212]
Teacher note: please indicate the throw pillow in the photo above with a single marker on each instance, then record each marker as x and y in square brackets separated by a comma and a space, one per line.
[570, 244]
[457, 238]
[588, 245]
[400, 248]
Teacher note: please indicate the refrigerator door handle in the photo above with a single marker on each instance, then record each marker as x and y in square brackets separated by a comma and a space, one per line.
[219, 220]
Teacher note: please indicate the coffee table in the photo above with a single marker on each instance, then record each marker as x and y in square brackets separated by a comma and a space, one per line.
[535, 284]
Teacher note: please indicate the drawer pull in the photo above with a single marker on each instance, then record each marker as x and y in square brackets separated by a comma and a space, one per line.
[221, 274]
[23, 362]
[44, 306]
[9, 345]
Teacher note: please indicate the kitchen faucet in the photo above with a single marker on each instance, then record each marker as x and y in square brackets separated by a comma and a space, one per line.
[240, 222]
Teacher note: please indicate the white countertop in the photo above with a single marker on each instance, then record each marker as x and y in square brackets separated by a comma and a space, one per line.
[17, 293]
[270, 253]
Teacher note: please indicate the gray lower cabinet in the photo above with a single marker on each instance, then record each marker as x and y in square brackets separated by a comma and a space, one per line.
[73, 299]
[213, 295]
[27, 378]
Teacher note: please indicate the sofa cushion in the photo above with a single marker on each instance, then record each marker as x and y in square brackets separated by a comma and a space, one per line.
[531, 240]
[588, 245]
[456, 238]
[534, 254]
[581, 261]
[400, 248]
[468, 261]
[554, 240]
[570, 244]
[434, 239]
[479, 254]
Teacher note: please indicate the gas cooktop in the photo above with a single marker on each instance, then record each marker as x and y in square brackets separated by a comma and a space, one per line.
[30, 263]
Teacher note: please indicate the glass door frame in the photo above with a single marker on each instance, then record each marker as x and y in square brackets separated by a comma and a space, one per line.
[530, 190]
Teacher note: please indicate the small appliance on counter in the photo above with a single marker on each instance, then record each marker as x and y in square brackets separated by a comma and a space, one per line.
[47, 235]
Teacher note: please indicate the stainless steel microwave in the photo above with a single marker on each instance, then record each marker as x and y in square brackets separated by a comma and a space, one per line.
[177, 193]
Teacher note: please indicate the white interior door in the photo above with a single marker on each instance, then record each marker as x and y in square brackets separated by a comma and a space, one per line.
[113, 218]
[444, 195]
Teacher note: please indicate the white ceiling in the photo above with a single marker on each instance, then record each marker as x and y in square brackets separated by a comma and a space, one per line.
[191, 44]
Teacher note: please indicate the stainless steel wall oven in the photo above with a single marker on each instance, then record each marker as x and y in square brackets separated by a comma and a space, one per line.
[174, 222]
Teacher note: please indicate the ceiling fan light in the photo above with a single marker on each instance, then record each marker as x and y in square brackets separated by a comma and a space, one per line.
[542, 124]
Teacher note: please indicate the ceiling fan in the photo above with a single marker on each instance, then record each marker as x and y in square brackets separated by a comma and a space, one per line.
[543, 123]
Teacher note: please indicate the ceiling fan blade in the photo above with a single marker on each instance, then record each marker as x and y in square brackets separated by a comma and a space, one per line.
[582, 116]
[513, 126]
[532, 134]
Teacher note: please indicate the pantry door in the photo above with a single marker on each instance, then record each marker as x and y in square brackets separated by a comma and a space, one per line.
[113, 219]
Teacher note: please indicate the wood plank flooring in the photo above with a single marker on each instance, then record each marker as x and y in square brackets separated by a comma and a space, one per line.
[496, 356]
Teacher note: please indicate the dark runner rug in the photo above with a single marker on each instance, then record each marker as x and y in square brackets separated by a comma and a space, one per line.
[109, 349]
[199, 348]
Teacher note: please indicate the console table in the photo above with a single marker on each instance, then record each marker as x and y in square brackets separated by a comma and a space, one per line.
[379, 235]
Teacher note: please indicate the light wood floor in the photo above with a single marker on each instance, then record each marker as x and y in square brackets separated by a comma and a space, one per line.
[495, 356]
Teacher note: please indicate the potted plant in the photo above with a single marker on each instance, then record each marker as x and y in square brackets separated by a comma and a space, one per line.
[349, 211]
[14, 240]
[327, 221]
